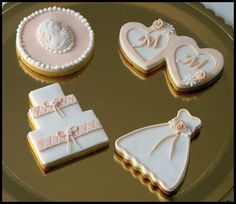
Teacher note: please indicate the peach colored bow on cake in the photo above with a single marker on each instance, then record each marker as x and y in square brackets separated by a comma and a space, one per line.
[54, 104]
[69, 134]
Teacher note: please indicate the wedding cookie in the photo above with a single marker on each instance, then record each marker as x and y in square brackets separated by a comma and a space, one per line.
[62, 130]
[54, 41]
[188, 66]
[161, 152]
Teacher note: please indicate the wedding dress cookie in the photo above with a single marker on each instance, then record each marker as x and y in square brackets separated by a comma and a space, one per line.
[62, 130]
[54, 41]
[188, 66]
[161, 152]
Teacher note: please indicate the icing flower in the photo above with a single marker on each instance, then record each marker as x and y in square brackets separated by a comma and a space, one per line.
[157, 24]
[190, 80]
[200, 75]
[180, 126]
[169, 29]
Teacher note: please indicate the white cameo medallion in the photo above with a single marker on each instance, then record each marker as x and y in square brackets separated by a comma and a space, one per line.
[55, 36]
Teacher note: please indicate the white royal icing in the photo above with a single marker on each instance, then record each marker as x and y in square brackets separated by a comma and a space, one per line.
[139, 40]
[159, 151]
[54, 36]
[188, 66]
[49, 124]
[190, 62]
[41, 65]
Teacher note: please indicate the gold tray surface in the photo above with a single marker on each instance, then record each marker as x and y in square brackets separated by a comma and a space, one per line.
[122, 102]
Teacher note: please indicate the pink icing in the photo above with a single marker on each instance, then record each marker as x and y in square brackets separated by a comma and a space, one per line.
[48, 108]
[37, 52]
[68, 135]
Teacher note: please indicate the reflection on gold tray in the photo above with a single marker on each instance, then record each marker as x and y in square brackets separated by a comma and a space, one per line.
[63, 164]
[123, 103]
[43, 78]
[136, 174]
[186, 96]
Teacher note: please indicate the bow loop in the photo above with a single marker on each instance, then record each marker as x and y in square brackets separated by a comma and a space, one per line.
[69, 134]
[61, 133]
[54, 104]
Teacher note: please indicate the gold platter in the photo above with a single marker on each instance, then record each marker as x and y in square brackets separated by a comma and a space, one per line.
[123, 102]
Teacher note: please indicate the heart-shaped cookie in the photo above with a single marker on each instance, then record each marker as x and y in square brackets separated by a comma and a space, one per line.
[144, 46]
[188, 66]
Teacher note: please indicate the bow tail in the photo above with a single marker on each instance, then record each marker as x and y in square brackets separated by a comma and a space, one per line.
[77, 144]
[173, 145]
[58, 110]
[68, 143]
[162, 140]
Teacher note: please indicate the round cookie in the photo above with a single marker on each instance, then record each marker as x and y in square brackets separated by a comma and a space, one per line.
[54, 41]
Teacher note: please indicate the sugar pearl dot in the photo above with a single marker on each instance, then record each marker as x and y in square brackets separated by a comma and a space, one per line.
[76, 14]
[37, 63]
[47, 66]
[89, 28]
[86, 24]
[63, 9]
[59, 8]
[44, 9]
[68, 10]
[83, 20]
[81, 17]
[36, 12]
[40, 11]
[54, 8]
[50, 8]
[42, 65]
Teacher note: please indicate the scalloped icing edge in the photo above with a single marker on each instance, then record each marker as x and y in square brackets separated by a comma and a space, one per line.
[144, 170]
[141, 168]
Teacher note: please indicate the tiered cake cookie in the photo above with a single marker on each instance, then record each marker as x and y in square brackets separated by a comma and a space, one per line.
[54, 41]
[62, 130]
[188, 66]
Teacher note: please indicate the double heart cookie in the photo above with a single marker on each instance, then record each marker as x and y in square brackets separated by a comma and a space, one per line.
[188, 66]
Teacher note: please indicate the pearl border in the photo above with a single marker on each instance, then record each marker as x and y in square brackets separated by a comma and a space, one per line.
[44, 66]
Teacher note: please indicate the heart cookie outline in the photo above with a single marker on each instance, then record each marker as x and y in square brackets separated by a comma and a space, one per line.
[167, 56]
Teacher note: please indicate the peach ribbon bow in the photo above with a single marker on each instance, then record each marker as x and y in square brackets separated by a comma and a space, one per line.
[69, 134]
